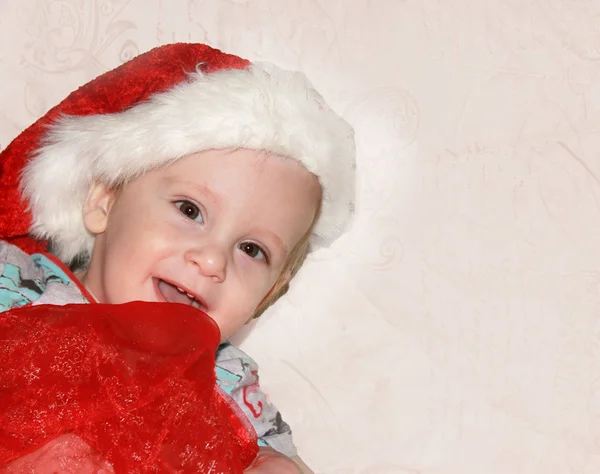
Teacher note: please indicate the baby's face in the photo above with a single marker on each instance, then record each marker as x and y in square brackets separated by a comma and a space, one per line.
[213, 230]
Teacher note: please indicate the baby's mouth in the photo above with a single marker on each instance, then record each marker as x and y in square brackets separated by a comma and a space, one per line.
[175, 294]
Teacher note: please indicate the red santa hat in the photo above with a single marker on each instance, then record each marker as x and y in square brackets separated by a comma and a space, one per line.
[165, 104]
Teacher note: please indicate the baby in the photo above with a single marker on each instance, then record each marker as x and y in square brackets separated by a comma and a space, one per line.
[184, 176]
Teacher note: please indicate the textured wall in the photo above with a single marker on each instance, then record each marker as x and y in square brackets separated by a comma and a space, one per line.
[456, 328]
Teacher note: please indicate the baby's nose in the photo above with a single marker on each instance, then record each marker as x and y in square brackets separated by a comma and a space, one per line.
[211, 261]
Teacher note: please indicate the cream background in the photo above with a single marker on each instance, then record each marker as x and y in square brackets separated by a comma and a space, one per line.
[455, 329]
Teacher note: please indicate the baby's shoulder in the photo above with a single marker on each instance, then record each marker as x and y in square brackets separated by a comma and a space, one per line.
[227, 351]
[234, 367]
[34, 279]
[21, 279]
[13, 255]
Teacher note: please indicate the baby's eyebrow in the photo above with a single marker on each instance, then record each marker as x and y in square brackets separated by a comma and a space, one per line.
[280, 243]
[202, 189]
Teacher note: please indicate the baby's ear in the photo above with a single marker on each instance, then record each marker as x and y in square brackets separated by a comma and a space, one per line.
[96, 207]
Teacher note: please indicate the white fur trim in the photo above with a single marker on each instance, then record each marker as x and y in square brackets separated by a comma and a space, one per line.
[262, 107]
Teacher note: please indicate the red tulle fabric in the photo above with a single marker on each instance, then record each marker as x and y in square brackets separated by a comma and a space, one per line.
[116, 388]
[114, 91]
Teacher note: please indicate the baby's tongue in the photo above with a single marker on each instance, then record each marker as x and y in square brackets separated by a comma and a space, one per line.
[172, 294]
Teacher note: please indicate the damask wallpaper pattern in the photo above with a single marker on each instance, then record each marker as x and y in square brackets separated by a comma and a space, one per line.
[456, 328]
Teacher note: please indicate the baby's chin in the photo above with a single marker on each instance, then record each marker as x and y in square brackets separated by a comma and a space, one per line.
[237, 332]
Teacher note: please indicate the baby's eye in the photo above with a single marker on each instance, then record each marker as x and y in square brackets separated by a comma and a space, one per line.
[253, 250]
[189, 210]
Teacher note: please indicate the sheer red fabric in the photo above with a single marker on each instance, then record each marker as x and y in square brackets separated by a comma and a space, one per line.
[116, 388]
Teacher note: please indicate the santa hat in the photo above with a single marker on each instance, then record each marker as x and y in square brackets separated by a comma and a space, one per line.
[165, 104]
